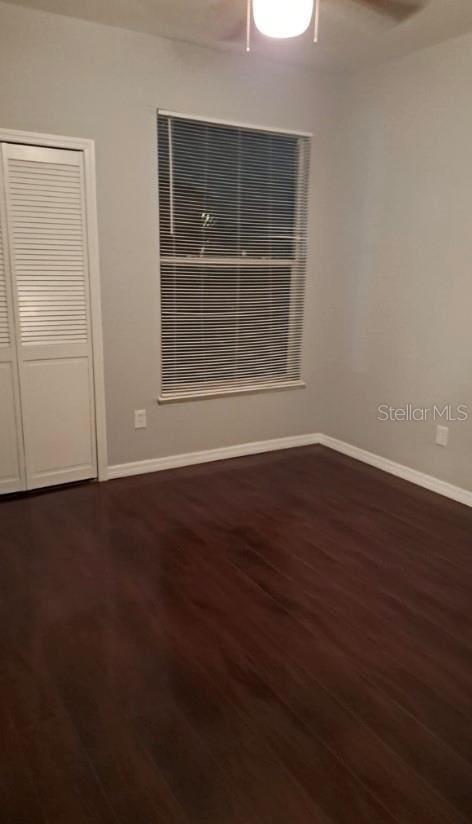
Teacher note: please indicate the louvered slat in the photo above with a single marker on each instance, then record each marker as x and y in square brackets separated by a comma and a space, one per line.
[48, 248]
[232, 223]
[4, 317]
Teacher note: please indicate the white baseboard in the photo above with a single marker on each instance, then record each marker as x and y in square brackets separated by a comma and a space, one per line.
[207, 455]
[463, 496]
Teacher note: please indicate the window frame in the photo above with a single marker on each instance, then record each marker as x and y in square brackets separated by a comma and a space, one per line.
[302, 183]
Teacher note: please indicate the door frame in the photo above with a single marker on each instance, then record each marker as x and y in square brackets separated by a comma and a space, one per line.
[87, 147]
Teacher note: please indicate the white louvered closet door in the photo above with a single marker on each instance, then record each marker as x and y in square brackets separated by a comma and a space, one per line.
[45, 208]
[11, 446]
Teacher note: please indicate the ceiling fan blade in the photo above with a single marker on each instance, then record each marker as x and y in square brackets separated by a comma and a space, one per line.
[396, 9]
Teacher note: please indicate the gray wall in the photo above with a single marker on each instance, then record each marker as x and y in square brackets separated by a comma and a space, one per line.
[389, 276]
[401, 300]
[75, 78]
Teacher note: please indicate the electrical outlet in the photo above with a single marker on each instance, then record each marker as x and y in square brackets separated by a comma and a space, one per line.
[140, 419]
[442, 435]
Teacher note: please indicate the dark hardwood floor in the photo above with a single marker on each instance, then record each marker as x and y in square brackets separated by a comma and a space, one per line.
[282, 639]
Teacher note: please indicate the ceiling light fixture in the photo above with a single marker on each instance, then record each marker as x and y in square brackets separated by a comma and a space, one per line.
[282, 18]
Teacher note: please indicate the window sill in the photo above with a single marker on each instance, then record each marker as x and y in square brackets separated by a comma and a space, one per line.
[209, 394]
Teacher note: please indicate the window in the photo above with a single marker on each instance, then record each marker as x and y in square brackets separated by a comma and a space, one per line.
[232, 221]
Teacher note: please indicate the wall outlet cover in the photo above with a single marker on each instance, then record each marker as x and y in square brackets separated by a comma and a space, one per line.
[140, 419]
[442, 435]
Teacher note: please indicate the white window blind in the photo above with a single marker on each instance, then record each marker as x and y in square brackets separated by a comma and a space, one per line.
[232, 221]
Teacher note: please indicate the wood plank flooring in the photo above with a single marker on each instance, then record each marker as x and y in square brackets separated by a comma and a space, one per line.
[281, 639]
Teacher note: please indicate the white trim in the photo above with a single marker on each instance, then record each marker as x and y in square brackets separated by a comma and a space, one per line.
[220, 454]
[448, 490]
[228, 392]
[54, 141]
[444, 488]
[236, 123]
[87, 147]
[96, 310]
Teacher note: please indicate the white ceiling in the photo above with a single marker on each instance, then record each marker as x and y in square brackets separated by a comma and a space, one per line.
[350, 35]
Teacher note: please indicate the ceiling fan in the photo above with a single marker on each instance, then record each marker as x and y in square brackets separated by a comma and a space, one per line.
[290, 18]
